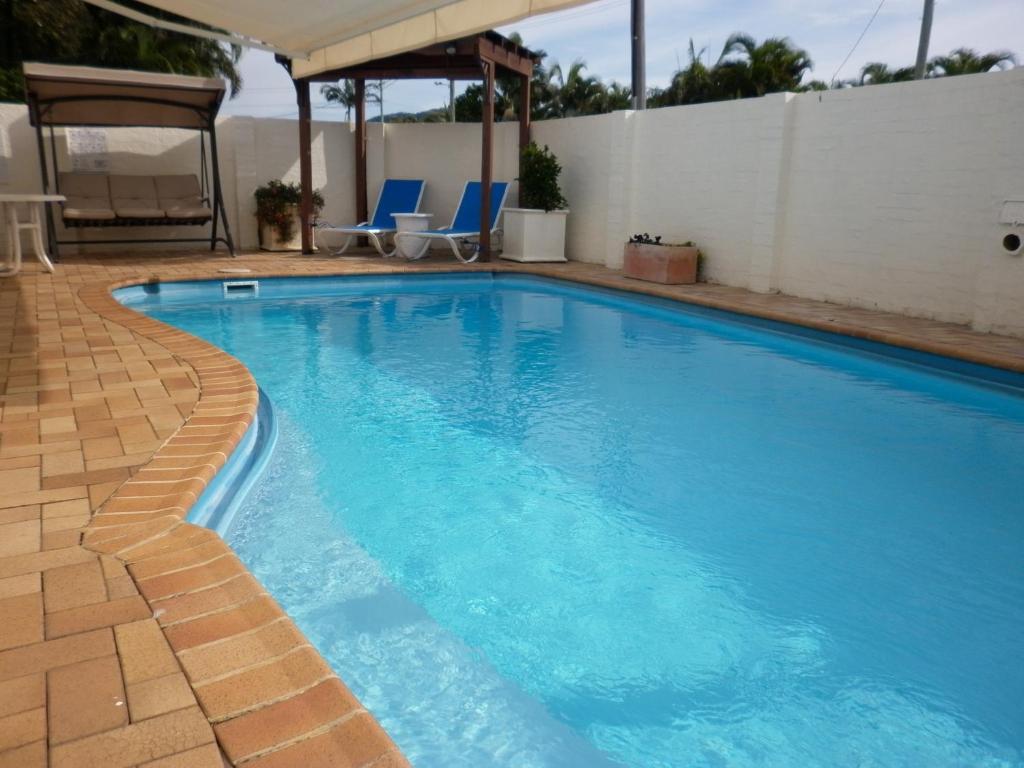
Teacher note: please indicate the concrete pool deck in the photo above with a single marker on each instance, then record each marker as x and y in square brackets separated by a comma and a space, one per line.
[128, 637]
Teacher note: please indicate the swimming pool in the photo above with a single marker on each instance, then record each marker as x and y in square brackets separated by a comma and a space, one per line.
[535, 524]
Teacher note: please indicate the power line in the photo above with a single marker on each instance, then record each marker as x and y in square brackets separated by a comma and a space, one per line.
[864, 32]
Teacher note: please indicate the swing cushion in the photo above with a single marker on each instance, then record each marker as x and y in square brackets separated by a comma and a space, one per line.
[96, 199]
[180, 197]
[134, 197]
[88, 197]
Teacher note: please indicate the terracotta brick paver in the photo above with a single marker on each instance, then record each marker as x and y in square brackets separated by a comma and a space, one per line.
[129, 637]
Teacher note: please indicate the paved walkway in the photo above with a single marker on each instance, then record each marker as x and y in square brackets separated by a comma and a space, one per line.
[129, 637]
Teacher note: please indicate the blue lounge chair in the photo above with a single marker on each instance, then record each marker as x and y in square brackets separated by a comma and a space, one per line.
[465, 225]
[396, 196]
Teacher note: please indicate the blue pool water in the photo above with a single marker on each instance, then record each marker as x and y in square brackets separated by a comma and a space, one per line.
[540, 525]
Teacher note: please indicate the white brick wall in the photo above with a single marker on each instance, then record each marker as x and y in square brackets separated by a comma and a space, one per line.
[885, 197]
[894, 194]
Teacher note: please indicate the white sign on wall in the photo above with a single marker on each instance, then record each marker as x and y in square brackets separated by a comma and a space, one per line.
[88, 150]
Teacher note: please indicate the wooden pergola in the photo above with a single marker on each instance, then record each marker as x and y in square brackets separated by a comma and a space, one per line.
[476, 57]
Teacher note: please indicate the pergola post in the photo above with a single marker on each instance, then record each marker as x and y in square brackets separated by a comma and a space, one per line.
[362, 212]
[487, 160]
[305, 164]
[524, 121]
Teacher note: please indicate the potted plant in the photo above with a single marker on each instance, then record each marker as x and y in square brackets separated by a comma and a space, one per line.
[277, 214]
[647, 258]
[537, 231]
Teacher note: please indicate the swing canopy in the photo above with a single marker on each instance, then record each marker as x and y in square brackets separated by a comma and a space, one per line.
[88, 96]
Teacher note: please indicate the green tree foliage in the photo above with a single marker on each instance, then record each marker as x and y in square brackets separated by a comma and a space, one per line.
[744, 69]
[538, 179]
[343, 93]
[879, 73]
[73, 32]
[964, 61]
[554, 92]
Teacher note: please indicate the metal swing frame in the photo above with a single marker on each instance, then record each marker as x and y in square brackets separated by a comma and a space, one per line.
[41, 113]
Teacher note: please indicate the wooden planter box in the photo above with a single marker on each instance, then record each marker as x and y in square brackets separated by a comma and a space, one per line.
[665, 264]
[271, 241]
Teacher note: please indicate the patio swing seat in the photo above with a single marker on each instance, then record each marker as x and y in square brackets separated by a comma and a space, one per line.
[96, 200]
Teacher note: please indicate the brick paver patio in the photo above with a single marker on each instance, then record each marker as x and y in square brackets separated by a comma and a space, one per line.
[129, 637]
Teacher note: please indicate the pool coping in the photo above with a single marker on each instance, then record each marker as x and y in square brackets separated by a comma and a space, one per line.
[203, 596]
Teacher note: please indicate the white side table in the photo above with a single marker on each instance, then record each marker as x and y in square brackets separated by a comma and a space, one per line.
[408, 245]
[9, 208]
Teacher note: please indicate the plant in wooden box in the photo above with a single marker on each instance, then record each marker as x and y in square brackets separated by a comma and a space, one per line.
[537, 231]
[647, 258]
[277, 214]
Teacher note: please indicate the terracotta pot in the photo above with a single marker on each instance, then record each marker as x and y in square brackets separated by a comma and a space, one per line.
[270, 240]
[665, 264]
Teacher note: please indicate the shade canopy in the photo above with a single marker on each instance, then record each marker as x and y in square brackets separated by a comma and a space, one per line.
[89, 96]
[333, 34]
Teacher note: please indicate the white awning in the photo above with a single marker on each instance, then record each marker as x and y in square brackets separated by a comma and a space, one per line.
[340, 33]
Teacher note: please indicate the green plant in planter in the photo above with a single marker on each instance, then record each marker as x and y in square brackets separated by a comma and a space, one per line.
[538, 179]
[274, 201]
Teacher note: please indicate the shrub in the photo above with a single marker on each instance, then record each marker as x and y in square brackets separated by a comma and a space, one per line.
[274, 201]
[538, 179]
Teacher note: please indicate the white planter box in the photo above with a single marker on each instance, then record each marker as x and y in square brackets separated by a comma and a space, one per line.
[534, 235]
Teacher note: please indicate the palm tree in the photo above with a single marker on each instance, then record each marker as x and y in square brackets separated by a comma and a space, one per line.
[554, 92]
[965, 61]
[749, 68]
[692, 85]
[615, 97]
[343, 93]
[878, 73]
[578, 94]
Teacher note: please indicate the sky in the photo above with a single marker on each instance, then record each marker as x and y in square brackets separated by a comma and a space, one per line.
[598, 33]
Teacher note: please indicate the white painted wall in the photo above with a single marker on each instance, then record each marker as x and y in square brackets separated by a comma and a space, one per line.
[885, 197]
[894, 194]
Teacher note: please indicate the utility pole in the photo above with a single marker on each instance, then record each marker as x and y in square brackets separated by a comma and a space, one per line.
[926, 34]
[639, 64]
[451, 100]
[380, 92]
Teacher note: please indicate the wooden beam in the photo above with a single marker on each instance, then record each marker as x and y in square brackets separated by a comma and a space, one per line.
[409, 65]
[361, 204]
[417, 72]
[305, 164]
[486, 164]
[524, 122]
[503, 57]
[435, 61]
